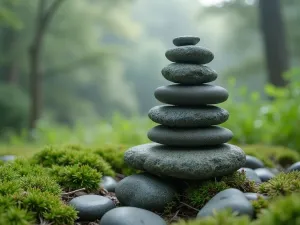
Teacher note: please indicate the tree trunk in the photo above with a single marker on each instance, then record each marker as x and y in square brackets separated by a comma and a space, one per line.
[273, 33]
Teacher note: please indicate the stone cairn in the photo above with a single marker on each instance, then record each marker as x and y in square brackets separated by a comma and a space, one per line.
[189, 144]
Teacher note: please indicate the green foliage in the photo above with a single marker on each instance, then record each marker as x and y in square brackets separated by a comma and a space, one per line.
[273, 155]
[76, 177]
[225, 217]
[61, 156]
[255, 120]
[199, 194]
[281, 184]
[13, 108]
[283, 211]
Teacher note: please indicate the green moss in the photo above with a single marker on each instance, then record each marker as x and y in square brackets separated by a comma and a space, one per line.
[114, 154]
[259, 204]
[10, 187]
[272, 155]
[281, 184]
[15, 216]
[282, 211]
[225, 217]
[48, 206]
[199, 194]
[76, 177]
[60, 156]
[41, 183]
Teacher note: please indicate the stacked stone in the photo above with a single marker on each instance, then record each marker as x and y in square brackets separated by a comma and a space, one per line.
[189, 142]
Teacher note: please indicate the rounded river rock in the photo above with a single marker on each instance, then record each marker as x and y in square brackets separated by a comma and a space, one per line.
[253, 162]
[177, 116]
[190, 54]
[229, 198]
[191, 95]
[186, 163]
[191, 137]
[91, 207]
[189, 74]
[186, 40]
[145, 191]
[131, 216]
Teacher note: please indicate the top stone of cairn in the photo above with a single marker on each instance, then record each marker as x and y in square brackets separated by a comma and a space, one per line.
[186, 40]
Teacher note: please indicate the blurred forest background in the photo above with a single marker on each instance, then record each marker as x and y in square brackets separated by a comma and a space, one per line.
[85, 70]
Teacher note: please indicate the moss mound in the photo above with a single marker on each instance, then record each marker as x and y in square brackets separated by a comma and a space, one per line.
[281, 184]
[272, 156]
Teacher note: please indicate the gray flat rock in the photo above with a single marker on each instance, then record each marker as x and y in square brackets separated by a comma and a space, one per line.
[145, 191]
[189, 74]
[251, 175]
[91, 207]
[177, 116]
[232, 199]
[186, 40]
[190, 137]
[186, 163]
[131, 216]
[184, 95]
[253, 162]
[190, 54]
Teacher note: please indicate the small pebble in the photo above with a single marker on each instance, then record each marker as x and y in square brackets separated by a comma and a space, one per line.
[7, 158]
[251, 175]
[108, 183]
[91, 207]
[131, 216]
[229, 198]
[294, 167]
[264, 174]
[186, 40]
[253, 162]
[254, 196]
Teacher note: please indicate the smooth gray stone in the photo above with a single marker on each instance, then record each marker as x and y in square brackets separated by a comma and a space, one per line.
[251, 175]
[177, 116]
[183, 95]
[186, 40]
[108, 183]
[145, 191]
[189, 74]
[253, 162]
[186, 163]
[91, 207]
[7, 158]
[254, 196]
[264, 174]
[131, 216]
[229, 198]
[294, 167]
[190, 54]
[190, 137]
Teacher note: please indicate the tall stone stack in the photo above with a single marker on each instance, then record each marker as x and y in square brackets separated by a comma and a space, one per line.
[189, 144]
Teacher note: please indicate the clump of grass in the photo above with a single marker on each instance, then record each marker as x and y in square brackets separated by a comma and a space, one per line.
[76, 177]
[15, 216]
[259, 204]
[281, 184]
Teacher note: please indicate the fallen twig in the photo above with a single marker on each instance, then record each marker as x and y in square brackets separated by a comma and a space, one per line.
[73, 192]
[191, 207]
